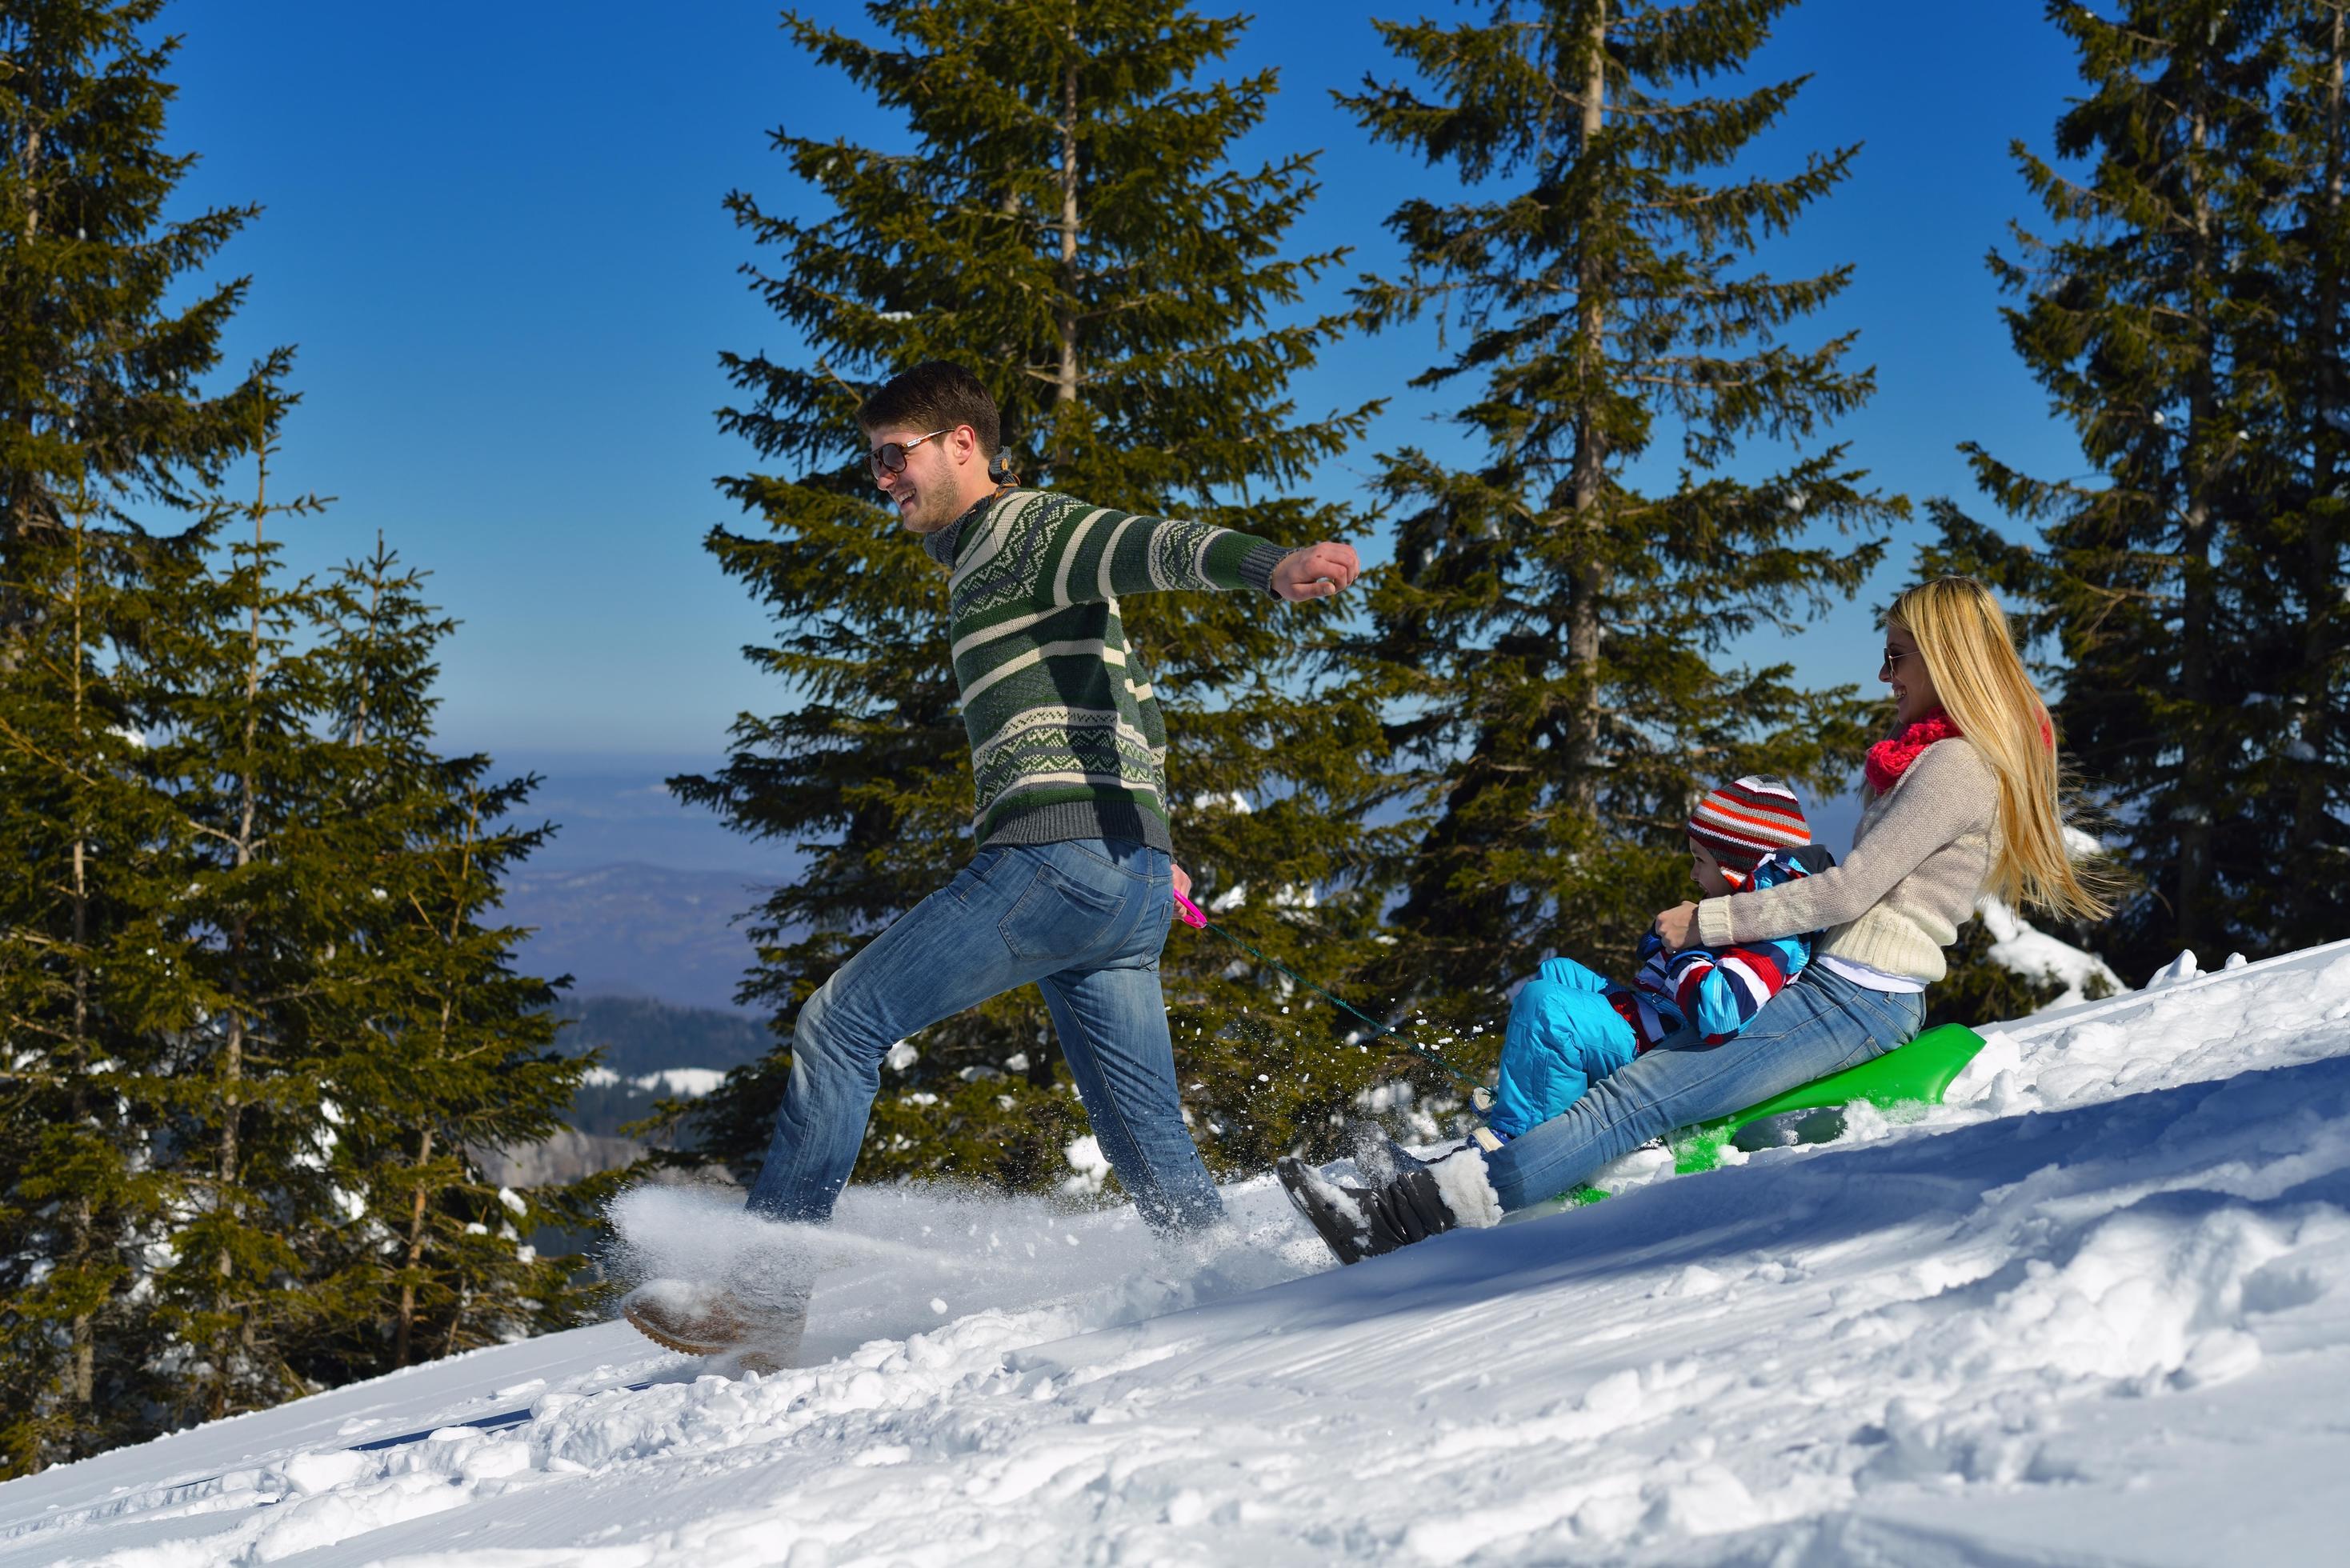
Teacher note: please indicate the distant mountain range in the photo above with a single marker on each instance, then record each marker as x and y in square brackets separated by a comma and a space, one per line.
[641, 1038]
[650, 1051]
[634, 929]
[637, 894]
[655, 950]
[610, 811]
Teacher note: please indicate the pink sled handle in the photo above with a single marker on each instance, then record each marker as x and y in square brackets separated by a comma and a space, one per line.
[1189, 913]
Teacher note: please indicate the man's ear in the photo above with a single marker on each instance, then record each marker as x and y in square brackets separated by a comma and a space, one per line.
[965, 441]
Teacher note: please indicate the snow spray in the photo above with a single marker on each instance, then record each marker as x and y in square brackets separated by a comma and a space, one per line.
[903, 1259]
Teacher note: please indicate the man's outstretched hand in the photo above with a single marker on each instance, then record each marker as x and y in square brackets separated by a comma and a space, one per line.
[1315, 572]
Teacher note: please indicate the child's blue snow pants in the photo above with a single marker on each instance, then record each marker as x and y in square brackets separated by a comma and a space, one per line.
[1564, 1034]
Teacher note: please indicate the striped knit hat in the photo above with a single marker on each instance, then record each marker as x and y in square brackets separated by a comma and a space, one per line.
[1742, 822]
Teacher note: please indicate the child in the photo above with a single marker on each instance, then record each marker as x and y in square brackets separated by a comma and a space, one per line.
[1568, 1026]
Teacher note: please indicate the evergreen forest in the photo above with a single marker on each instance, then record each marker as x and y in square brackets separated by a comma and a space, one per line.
[263, 1023]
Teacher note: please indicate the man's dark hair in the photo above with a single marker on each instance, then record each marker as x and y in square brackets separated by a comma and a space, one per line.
[935, 396]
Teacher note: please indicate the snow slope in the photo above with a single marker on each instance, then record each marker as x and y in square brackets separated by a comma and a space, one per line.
[2094, 1310]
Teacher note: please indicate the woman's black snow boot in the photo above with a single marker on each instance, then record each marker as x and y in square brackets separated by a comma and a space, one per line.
[1407, 1203]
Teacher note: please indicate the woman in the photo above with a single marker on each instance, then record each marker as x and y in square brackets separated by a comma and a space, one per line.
[1962, 801]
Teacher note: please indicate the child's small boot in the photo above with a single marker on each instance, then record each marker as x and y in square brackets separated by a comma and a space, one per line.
[1409, 1201]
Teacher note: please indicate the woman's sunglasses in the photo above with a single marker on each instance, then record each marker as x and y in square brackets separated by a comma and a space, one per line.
[889, 457]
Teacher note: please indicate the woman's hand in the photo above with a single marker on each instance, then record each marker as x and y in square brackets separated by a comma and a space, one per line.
[1676, 927]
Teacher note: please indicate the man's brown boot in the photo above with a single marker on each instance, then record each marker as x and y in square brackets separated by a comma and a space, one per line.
[711, 1320]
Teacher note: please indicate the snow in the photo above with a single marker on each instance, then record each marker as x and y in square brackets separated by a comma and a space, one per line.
[689, 1082]
[2093, 1310]
[2018, 945]
[1468, 1192]
[1086, 1157]
[693, 1082]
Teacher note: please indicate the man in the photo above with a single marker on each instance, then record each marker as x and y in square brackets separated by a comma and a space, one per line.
[1070, 888]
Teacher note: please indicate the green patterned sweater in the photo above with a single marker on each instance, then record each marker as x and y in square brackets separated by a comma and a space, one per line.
[1066, 740]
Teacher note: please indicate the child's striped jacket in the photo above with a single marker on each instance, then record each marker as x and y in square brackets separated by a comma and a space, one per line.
[1717, 993]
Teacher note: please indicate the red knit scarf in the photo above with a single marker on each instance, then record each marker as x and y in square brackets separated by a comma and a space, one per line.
[1891, 757]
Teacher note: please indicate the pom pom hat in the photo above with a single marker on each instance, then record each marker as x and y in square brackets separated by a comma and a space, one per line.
[1744, 821]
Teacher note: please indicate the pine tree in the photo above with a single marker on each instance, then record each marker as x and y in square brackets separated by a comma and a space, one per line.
[1069, 223]
[86, 887]
[1557, 631]
[443, 1050]
[2151, 317]
[2304, 787]
[105, 329]
[101, 338]
[229, 683]
[214, 1047]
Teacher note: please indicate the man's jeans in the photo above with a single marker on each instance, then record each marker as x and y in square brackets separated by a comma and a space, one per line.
[1083, 921]
[1820, 1025]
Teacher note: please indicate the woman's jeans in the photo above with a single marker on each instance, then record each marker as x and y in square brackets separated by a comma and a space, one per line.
[1083, 921]
[1820, 1025]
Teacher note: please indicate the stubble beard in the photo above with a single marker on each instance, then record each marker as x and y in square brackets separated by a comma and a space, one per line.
[924, 518]
[931, 496]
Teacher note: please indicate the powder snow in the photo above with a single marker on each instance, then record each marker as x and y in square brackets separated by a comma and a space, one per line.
[2090, 1311]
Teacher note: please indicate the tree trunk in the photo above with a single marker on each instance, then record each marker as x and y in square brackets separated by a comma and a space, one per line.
[84, 1337]
[457, 1319]
[1065, 383]
[82, 1436]
[21, 499]
[33, 167]
[81, 841]
[85, 1365]
[405, 1325]
[2319, 595]
[85, 1323]
[233, 1061]
[358, 736]
[1584, 583]
[2198, 770]
[232, 1082]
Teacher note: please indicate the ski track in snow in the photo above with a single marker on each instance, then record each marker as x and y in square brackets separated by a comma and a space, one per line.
[2091, 1311]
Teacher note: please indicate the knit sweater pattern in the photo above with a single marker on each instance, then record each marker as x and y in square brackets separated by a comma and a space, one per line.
[1067, 738]
[1920, 857]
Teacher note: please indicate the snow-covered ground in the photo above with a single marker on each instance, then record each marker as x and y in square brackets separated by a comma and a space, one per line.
[2094, 1310]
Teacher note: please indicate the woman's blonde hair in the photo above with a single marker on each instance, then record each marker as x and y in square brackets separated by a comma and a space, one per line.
[1963, 635]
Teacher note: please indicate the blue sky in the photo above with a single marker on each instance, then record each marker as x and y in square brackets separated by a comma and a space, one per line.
[495, 233]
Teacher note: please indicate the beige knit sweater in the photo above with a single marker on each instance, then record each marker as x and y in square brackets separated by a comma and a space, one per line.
[1919, 859]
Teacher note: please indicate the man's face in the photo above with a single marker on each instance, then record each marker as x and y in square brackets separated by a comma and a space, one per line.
[928, 490]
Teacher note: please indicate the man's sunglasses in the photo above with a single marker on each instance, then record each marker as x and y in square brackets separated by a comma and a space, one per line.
[889, 457]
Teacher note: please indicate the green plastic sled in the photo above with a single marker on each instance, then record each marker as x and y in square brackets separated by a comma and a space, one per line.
[1915, 1075]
